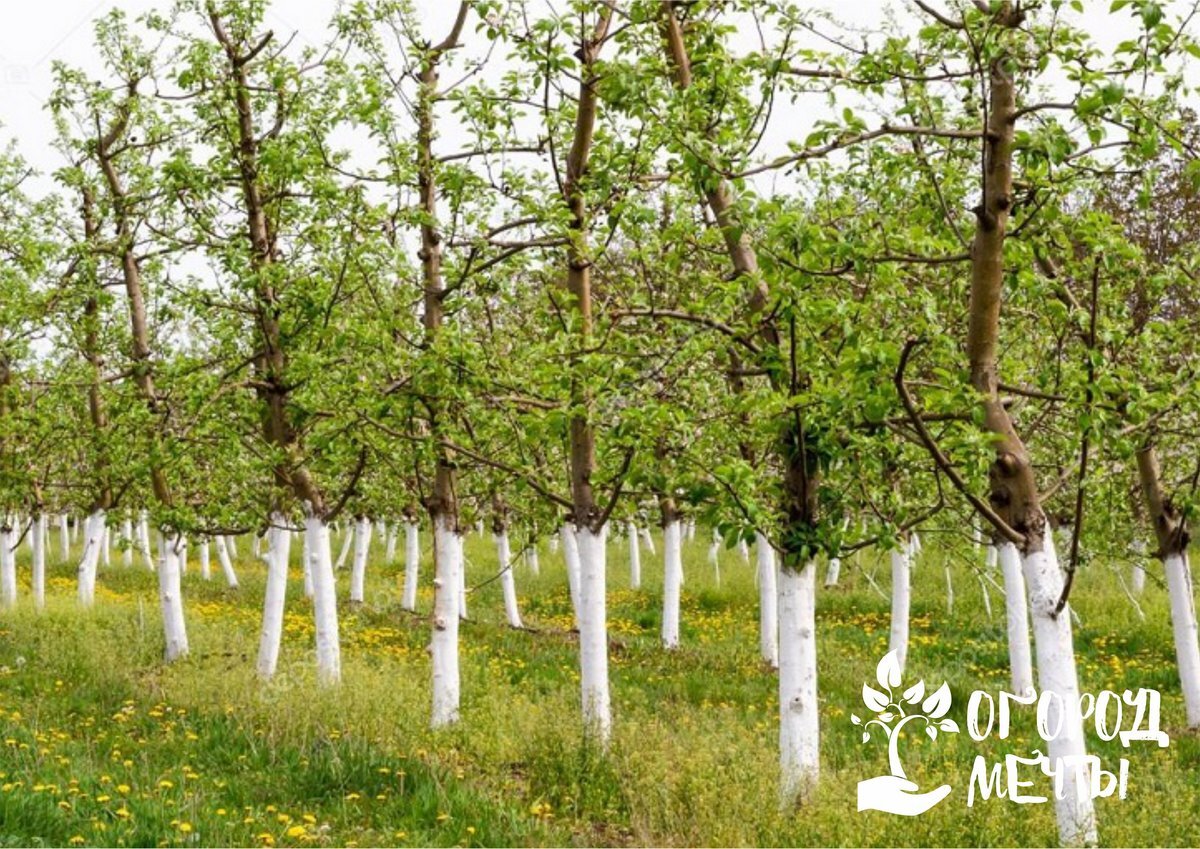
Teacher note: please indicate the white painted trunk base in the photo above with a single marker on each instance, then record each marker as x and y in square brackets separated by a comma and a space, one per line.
[170, 597]
[412, 564]
[362, 548]
[223, 546]
[593, 636]
[672, 583]
[443, 647]
[40, 540]
[1056, 674]
[90, 561]
[1183, 624]
[1020, 656]
[570, 548]
[64, 537]
[507, 582]
[901, 603]
[325, 614]
[799, 720]
[635, 556]
[275, 595]
[205, 565]
[833, 572]
[8, 568]
[127, 540]
[768, 600]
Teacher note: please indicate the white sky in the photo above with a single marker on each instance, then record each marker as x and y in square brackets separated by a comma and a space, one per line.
[35, 34]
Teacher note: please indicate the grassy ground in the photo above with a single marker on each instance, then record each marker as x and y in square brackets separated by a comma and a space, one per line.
[100, 744]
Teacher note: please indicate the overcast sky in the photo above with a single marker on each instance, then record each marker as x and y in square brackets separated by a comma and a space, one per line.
[36, 34]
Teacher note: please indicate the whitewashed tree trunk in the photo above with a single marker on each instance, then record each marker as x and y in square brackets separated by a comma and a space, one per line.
[1183, 623]
[507, 582]
[901, 603]
[462, 589]
[691, 530]
[325, 615]
[64, 537]
[412, 564]
[347, 542]
[744, 549]
[570, 547]
[144, 541]
[553, 544]
[181, 548]
[635, 556]
[105, 547]
[1020, 658]
[275, 595]
[768, 600]
[74, 529]
[205, 566]
[307, 563]
[531, 558]
[672, 582]
[990, 556]
[223, 546]
[8, 567]
[390, 534]
[39, 561]
[833, 572]
[127, 539]
[1139, 566]
[447, 561]
[593, 635]
[1056, 674]
[799, 728]
[714, 549]
[362, 548]
[89, 563]
[170, 597]
[648, 540]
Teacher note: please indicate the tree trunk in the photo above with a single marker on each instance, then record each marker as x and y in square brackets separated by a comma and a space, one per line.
[171, 601]
[901, 603]
[362, 548]
[672, 575]
[635, 556]
[799, 730]
[1020, 661]
[412, 563]
[1171, 531]
[448, 546]
[768, 600]
[279, 543]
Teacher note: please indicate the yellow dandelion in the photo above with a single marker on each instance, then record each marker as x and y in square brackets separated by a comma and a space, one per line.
[76, 840]
[296, 831]
[185, 827]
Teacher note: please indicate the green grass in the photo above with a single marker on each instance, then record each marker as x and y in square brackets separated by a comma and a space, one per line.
[100, 744]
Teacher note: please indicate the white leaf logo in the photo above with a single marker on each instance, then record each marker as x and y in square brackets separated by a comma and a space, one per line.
[938, 704]
[888, 671]
[874, 699]
[915, 693]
